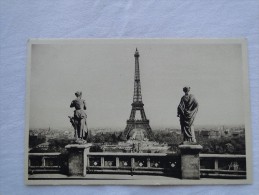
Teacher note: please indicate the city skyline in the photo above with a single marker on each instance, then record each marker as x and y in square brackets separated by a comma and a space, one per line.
[104, 72]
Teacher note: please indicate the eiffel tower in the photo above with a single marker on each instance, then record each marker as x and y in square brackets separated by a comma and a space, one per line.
[137, 105]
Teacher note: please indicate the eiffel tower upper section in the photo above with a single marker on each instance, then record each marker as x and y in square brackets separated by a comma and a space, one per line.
[137, 97]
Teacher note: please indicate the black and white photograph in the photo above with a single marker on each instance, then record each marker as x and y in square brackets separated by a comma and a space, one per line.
[137, 112]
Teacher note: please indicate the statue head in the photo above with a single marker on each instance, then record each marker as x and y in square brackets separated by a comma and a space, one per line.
[78, 93]
[186, 89]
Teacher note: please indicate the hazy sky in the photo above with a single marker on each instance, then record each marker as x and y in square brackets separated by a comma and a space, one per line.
[104, 72]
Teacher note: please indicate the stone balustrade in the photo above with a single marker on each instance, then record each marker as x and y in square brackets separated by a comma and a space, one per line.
[80, 161]
[134, 163]
[45, 162]
[223, 165]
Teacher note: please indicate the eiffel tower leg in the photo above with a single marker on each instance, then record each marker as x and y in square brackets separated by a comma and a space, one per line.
[143, 115]
[149, 132]
[132, 114]
[128, 129]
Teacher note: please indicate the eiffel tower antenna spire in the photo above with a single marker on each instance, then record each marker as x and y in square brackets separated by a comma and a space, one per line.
[137, 104]
[137, 97]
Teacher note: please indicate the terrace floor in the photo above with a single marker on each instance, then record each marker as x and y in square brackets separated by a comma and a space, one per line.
[122, 179]
[102, 177]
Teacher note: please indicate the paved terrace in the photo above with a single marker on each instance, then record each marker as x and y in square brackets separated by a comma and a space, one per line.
[115, 179]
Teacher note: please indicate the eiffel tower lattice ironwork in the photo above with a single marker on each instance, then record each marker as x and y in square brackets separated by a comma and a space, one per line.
[137, 105]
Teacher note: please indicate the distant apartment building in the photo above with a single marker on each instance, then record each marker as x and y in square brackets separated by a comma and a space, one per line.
[238, 133]
[210, 134]
[178, 131]
[222, 132]
[43, 146]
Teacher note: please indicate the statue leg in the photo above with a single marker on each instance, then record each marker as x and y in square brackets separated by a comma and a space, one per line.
[76, 131]
[82, 128]
[185, 137]
[193, 134]
[76, 135]
[78, 127]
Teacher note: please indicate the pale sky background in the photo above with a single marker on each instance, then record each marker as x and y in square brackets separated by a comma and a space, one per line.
[104, 72]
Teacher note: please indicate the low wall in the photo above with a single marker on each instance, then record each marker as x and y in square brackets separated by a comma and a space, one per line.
[210, 165]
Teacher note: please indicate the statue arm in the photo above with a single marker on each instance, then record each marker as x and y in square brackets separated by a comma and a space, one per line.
[179, 108]
[72, 104]
[84, 105]
[196, 103]
[178, 111]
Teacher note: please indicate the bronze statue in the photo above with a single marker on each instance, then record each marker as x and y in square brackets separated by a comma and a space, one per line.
[187, 111]
[78, 121]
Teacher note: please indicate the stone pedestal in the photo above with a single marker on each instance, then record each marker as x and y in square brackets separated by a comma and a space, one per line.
[77, 158]
[190, 161]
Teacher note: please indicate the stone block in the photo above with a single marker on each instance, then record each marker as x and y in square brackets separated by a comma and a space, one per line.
[190, 161]
[77, 158]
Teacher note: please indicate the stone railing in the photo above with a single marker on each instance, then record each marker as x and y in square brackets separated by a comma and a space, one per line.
[134, 163]
[45, 162]
[79, 161]
[223, 166]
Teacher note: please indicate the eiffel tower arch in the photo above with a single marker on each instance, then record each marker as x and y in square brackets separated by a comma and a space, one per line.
[137, 106]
